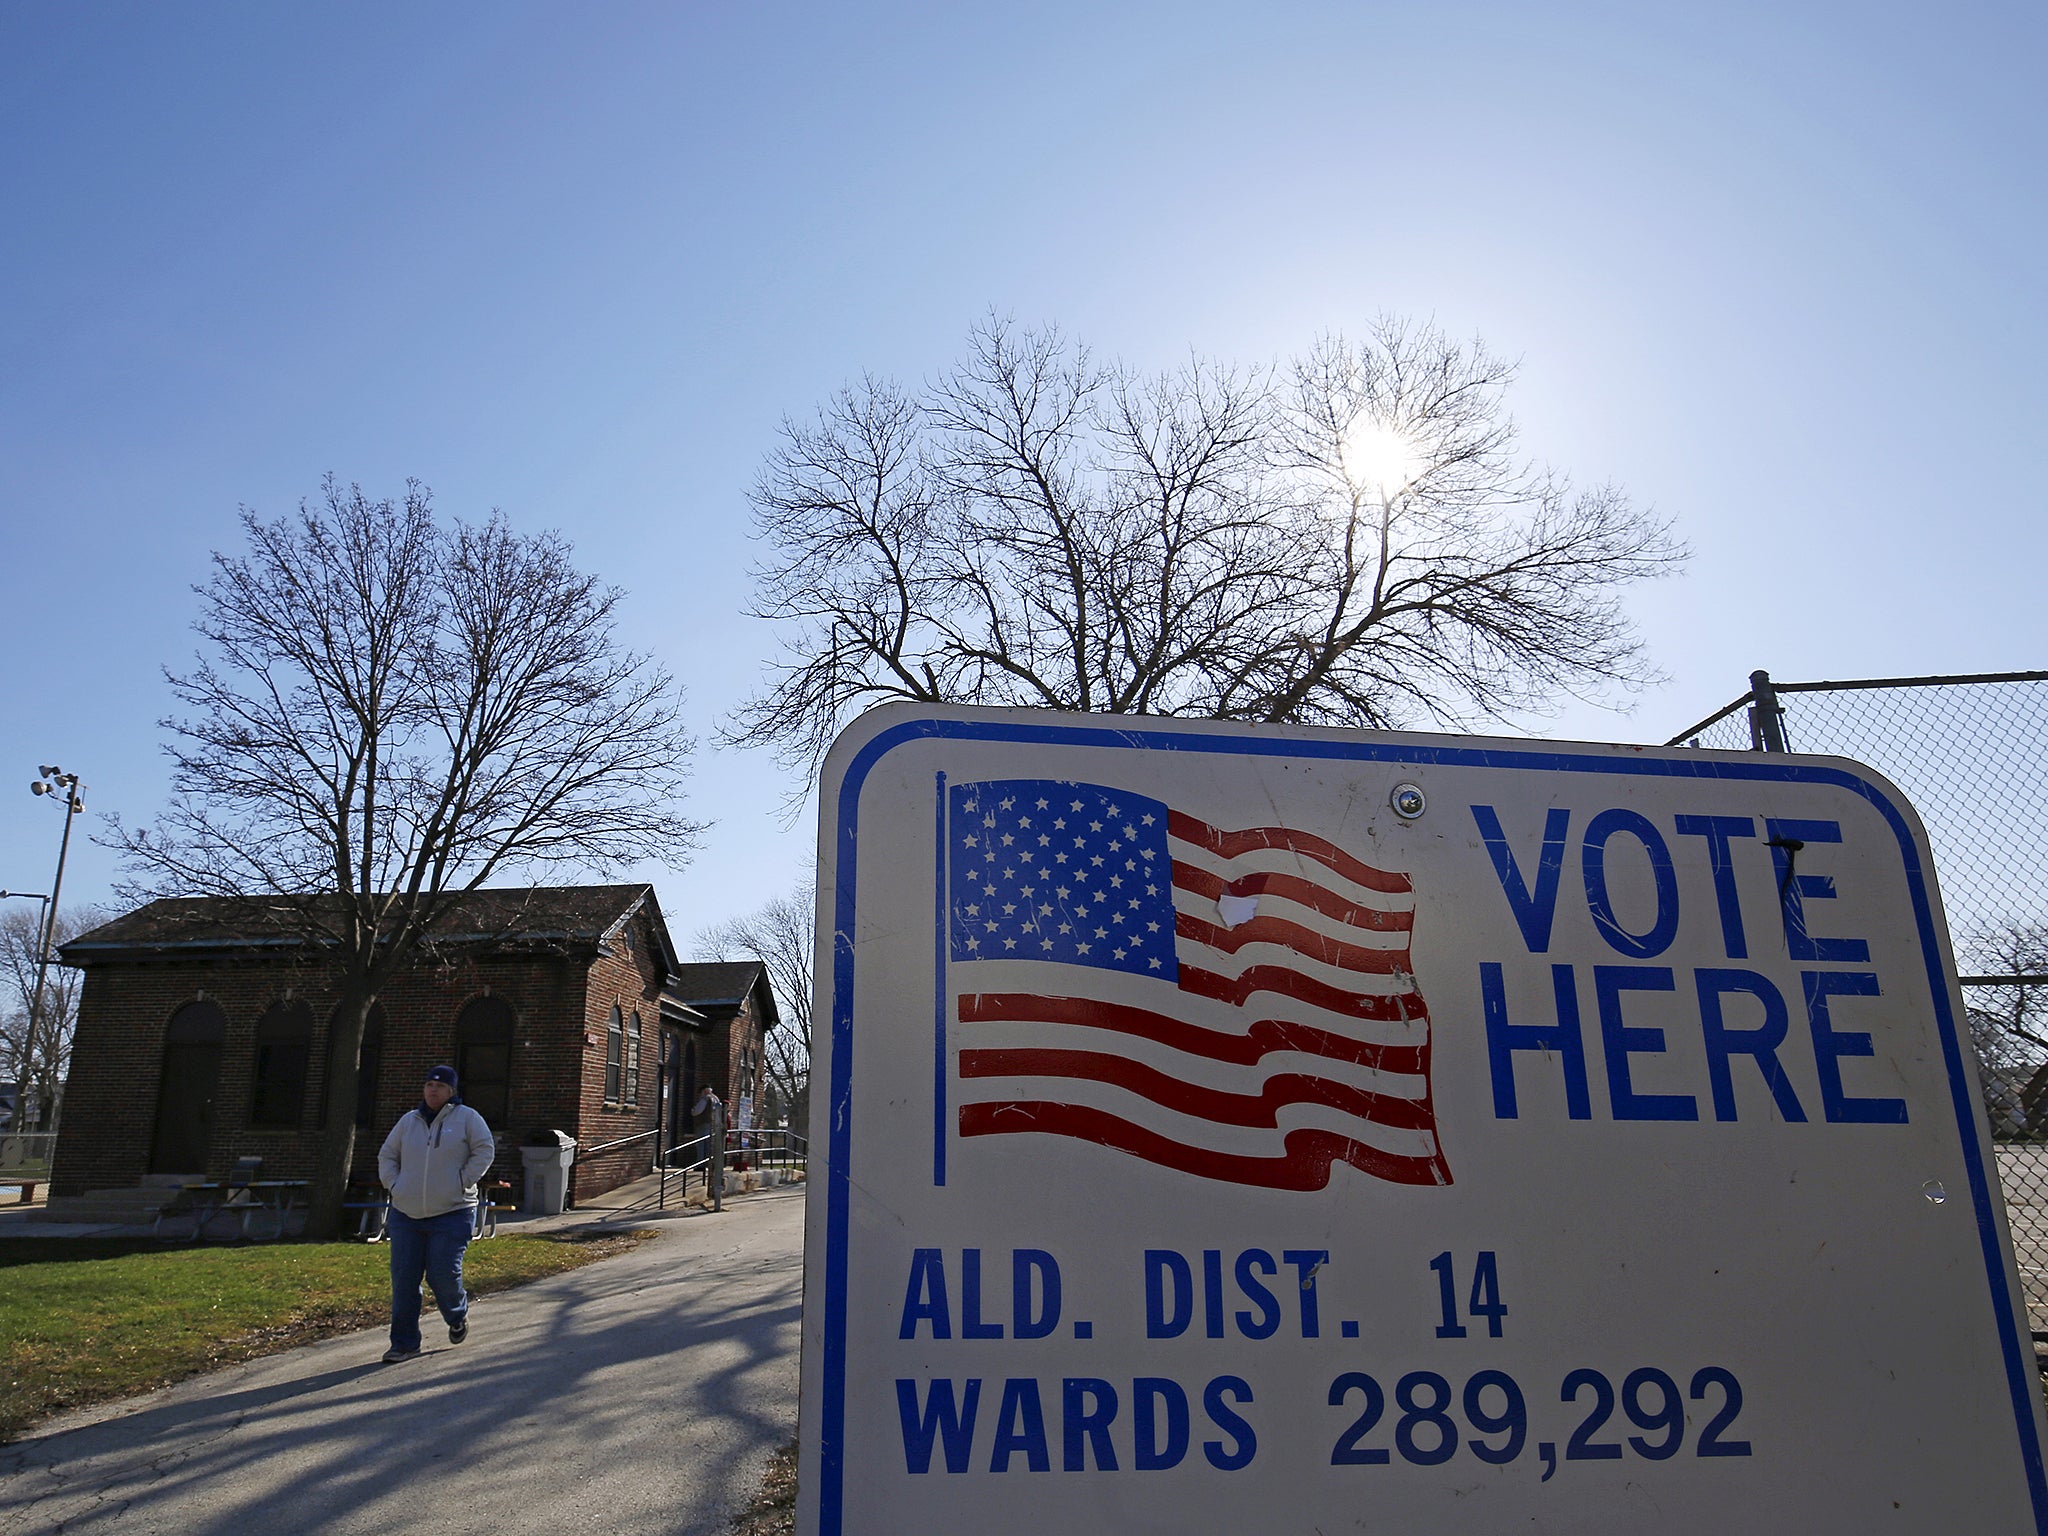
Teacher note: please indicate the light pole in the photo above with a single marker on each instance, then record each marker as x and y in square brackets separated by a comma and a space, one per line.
[21, 1060]
[52, 780]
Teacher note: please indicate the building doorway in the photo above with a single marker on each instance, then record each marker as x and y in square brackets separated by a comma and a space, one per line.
[668, 1085]
[686, 1101]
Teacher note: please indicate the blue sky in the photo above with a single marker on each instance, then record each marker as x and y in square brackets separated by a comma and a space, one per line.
[1773, 269]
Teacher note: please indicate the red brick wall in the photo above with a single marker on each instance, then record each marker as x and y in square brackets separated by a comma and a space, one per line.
[420, 1010]
[629, 980]
[117, 1056]
[730, 1041]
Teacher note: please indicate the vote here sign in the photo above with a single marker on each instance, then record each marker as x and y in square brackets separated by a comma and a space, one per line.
[1228, 1129]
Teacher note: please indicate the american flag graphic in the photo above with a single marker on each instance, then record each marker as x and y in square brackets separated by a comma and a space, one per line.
[1237, 1005]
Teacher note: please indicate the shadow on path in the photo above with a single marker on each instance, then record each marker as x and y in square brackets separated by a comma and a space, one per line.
[642, 1393]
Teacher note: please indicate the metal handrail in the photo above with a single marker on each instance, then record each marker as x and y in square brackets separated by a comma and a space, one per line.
[681, 1160]
[607, 1146]
[793, 1147]
[624, 1141]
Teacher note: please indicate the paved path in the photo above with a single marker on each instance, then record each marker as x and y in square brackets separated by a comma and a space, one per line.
[639, 1394]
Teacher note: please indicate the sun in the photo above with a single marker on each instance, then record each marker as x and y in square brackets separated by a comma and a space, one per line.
[1381, 458]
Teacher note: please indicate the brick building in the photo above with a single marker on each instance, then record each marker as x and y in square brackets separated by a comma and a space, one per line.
[738, 1008]
[202, 1035]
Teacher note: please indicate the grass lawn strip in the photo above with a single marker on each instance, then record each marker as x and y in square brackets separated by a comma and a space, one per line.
[86, 1320]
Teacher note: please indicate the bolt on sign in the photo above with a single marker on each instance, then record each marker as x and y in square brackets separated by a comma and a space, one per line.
[1255, 1128]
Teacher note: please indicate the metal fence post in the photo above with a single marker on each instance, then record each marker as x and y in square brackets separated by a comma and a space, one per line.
[1766, 715]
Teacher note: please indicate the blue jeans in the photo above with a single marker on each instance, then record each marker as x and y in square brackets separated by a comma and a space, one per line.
[431, 1247]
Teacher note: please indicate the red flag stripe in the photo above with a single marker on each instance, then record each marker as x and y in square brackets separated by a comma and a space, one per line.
[1230, 844]
[1282, 982]
[1264, 1038]
[1318, 898]
[1259, 1110]
[1305, 1165]
[1303, 941]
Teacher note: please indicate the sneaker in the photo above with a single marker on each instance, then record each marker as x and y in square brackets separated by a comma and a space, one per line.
[457, 1332]
[394, 1356]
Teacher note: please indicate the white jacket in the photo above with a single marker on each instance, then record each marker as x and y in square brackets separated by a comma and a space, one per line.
[432, 1169]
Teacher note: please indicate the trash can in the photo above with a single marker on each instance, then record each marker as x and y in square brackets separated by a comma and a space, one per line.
[547, 1155]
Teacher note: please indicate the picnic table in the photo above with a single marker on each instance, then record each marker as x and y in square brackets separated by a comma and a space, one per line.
[259, 1207]
[372, 1204]
[22, 1168]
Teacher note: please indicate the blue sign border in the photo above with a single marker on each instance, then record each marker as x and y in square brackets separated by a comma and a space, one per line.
[1764, 768]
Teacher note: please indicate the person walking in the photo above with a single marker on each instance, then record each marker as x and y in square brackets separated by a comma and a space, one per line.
[709, 1112]
[431, 1162]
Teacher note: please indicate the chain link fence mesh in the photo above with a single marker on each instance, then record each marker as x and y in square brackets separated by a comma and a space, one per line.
[1971, 754]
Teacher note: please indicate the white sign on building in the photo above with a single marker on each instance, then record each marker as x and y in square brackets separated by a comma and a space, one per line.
[1263, 1129]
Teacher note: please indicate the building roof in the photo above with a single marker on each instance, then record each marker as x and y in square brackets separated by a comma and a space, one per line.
[723, 985]
[524, 917]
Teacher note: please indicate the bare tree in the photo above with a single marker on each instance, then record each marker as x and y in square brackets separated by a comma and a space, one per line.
[779, 935]
[387, 713]
[39, 1066]
[1351, 539]
[2009, 1021]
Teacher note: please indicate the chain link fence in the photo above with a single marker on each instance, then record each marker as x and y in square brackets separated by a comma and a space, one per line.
[1971, 754]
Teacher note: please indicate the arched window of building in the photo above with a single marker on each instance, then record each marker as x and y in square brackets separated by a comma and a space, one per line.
[633, 1059]
[483, 1057]
[185, 1092]
[614, 1057]
[284, 1036]
[369, 1064]
[200, 1023]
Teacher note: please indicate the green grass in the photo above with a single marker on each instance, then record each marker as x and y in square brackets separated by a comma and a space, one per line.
[85, 1320]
